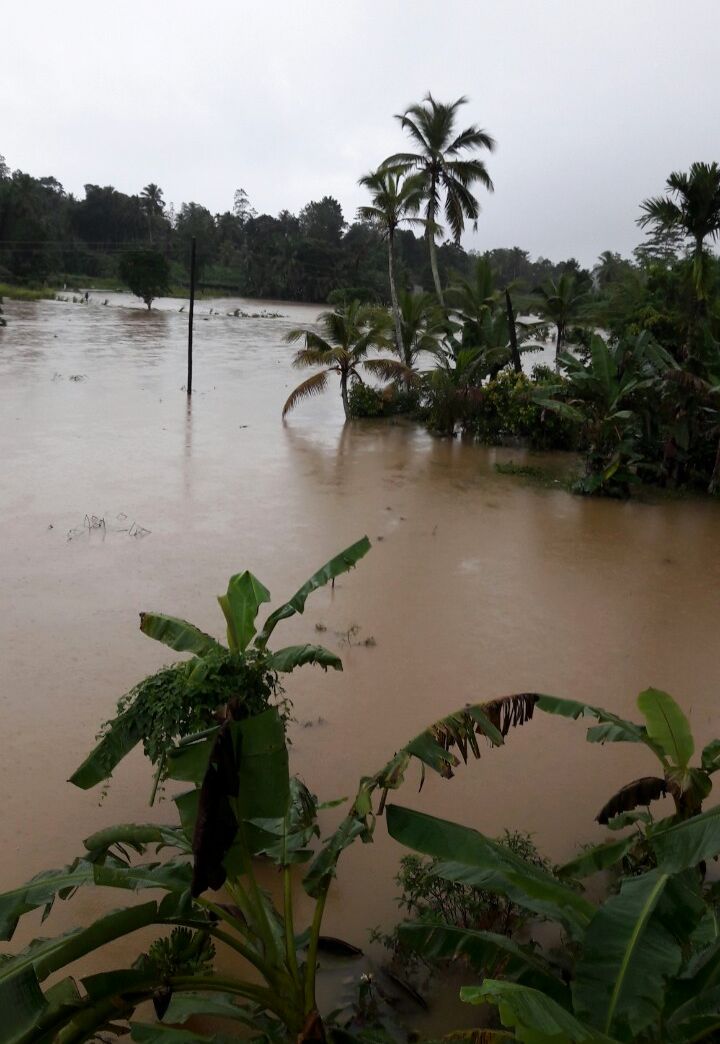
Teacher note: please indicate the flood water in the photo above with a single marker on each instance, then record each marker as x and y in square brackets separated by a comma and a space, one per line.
[477, 585]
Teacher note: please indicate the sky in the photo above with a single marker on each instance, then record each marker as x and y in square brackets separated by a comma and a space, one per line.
[592, 102]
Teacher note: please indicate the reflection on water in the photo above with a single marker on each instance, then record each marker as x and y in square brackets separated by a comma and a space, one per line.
[477, 585]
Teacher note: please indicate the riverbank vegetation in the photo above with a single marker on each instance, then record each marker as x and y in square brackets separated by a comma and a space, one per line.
[633, 958]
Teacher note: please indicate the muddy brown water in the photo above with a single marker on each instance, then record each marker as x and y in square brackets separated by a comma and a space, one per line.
[478, 585]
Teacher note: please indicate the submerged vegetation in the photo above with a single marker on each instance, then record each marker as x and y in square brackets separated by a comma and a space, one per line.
[637, 964]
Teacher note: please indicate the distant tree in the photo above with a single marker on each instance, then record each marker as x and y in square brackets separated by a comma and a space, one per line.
[242, 208]
[4, 169]
[395, 199]
[442, 161]
[152, 200]
[147, 273]
[194, 220]
[560, 302]
[692, 207]
[323, 221]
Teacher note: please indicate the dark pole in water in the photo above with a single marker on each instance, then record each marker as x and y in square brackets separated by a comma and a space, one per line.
[190, 318]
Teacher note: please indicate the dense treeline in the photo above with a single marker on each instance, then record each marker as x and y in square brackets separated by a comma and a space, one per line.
[47, 234]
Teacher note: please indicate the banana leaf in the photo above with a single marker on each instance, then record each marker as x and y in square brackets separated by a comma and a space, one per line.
[178, 634]
[338, 565]
[629, 952]
[667, 726]
[122, 736]
[41, 891]
[292, 656]
[442, 941]
[535, 1018]
[470, 858]
[434, 748]
[245, 595]
[612, 729]
[599, 857]
[46, 956]
[687, 843]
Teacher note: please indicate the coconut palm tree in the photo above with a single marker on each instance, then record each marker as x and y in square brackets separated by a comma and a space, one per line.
[347, 334]
[422, 324]
[395, 199]
[693, 208]
[446, 168]
[152, 199]
[560, 302]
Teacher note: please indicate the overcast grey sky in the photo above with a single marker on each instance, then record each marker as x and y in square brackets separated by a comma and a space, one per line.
[592, 102]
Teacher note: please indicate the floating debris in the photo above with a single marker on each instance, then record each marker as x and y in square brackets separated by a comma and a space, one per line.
[98, 523]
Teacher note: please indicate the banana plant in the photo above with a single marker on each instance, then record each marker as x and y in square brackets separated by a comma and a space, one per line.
[605, 399]
[241, 676]
[644, 964]
[243, 812]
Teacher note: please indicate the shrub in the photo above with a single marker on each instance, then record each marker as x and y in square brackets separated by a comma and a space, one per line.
[365, 401]
[505, 409]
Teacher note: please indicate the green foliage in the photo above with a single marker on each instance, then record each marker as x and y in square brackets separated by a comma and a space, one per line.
[507, 408]
[146, 272]
[365, 401]
[185, 698]
[644, 958]
[434, 900]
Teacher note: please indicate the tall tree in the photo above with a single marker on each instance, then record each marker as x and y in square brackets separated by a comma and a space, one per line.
[692, 206]
[395, 199]
[444, 160]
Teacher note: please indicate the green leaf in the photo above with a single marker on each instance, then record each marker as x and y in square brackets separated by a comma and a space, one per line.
[188, 762]
[442, 941]
[698, 1019]
[599, 857]
[292, 656]
[178, 634]
[338, 565]
[23, 1005]
[613, 729]
[184, 1006]
[688, 843]
[123, 734]
[245, 595]
[667, 726]
[627, 956]
[46, 956]
[41, 890]
[536, 1018]
[173, 875]
[137, 837]
[476, 860]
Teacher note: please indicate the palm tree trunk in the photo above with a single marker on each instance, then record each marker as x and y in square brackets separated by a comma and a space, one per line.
[394, 297]
[434, 266]
[344, 393]
[558, 344]
[515, 354]
[714, 486]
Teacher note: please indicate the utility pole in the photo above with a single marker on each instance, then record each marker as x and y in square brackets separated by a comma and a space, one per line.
[190, 317]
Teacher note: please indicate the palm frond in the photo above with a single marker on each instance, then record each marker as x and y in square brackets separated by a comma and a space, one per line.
[392, 370]
[312, 386]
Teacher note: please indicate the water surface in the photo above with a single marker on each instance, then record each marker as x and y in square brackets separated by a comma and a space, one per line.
[478, 585]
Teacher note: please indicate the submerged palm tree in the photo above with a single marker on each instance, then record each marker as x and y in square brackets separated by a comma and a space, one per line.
[693, 208]
[347, 336]
[560, 302]
[423, 324]
[445, 166]
[394, 199]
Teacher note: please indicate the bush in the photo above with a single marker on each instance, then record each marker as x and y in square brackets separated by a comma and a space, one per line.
[427, 897]
[506, 409]
[365, 401]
